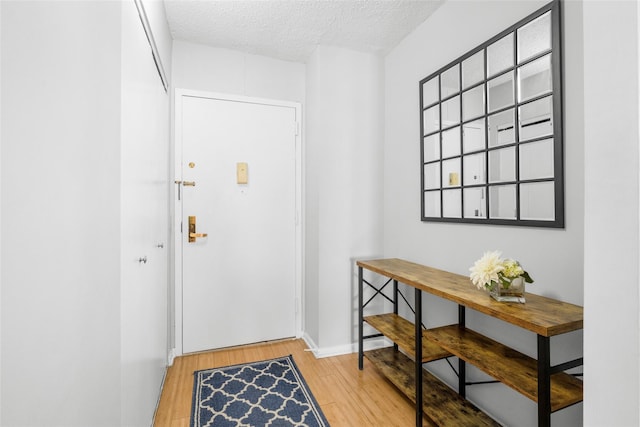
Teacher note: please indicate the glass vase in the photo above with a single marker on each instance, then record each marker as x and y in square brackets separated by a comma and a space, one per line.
[513, 293]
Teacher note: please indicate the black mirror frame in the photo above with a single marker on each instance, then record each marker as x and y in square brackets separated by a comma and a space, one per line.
[557, 135]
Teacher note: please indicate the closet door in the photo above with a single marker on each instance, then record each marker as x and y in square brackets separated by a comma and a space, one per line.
[144, 224]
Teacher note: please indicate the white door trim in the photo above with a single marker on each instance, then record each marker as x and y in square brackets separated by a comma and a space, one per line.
[177, 216]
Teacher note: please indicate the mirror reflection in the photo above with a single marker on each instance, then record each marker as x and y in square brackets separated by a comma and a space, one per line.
[473, 136]
[502, 202]
[451, 204]
[535, 119]
[432, 203]
[534, 37]
[537, 201]
[473, 167]
[451, 112]
[502, 128]
[502, 165]
[473, 69]
[500, 92]
[430, 92]
[500, 55]
[451, 142]
[431, 147]
[534, 79]
[451, 173]
[431, 119]
[431, 176]
[473, 103]
[474, 203]
[450, 81]
[536, 159]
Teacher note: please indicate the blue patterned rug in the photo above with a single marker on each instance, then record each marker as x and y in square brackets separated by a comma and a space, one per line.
[268, 393]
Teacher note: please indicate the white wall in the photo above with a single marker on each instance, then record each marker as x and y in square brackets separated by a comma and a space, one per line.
[60, 213]
[343, 218]
[0, 213]
[553, 257]
[611, 213]
[211, 69]
[76, 214]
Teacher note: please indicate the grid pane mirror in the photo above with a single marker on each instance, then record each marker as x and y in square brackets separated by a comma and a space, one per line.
[491, 130]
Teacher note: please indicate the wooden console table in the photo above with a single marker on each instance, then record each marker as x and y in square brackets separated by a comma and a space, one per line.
[549, 386]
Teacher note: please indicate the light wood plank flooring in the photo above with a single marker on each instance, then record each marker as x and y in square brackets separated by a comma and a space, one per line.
[347, 396]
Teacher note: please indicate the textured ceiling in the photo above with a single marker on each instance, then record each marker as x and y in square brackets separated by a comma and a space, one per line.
[291, 29]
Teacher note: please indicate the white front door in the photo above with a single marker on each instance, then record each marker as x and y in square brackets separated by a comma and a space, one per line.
[240, 183]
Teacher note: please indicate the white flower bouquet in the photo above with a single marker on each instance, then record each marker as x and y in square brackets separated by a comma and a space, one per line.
[492, 271]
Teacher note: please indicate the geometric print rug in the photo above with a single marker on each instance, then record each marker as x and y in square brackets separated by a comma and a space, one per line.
[267, 393]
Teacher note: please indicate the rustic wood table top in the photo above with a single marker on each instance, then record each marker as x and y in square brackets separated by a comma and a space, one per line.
[542, 315]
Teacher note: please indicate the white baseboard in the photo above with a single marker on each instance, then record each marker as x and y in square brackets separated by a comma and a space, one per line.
[339, 350]
[171, 356]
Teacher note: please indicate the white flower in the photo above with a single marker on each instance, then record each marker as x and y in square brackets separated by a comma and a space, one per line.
[486, 269]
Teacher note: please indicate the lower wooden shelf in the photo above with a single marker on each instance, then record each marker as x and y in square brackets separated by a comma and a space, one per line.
[442, 405]
[402, 332]
[516, 370]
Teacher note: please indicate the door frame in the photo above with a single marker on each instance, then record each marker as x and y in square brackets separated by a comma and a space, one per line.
[177, 205]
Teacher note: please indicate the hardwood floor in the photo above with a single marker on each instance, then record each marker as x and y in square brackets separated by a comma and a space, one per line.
[347, 396]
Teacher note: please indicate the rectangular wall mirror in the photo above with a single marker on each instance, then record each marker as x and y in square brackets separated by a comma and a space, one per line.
[491, 130]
